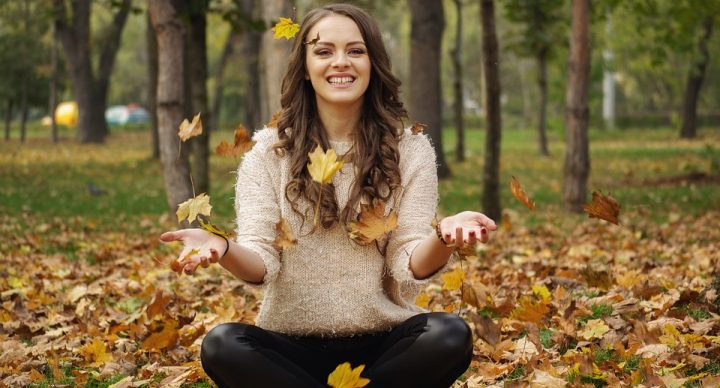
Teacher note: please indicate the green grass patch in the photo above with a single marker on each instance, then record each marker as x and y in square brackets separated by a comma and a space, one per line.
[599, 311]
[546, 338]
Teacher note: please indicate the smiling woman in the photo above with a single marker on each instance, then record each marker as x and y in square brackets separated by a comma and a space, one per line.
[344, 291]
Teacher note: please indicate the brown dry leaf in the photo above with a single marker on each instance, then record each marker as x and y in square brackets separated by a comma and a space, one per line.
[599, 278]
[486, 329]
[604, 207]
[159, 302]
[372, 223]
[469, 295]
[542, 379]
[529, 310]
[520, 194]
[190, 129]
[417, 128]
[285, 237]
[241, 145]
[164, 339]
[273, 123]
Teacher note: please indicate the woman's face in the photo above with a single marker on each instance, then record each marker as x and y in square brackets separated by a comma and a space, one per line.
[338, 64]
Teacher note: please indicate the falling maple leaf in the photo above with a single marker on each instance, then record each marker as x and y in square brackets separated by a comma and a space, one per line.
[595, 328]
[214, 229]
[242, 144]
[604, 207]
[285, 28]
[453, 280]
[285, 237]
[190, 129]
[372, 223]
[314, 40]
[417, 128]
[520, 194]
[192, 207]
[323, 165]
[95, 353]
[344, 376]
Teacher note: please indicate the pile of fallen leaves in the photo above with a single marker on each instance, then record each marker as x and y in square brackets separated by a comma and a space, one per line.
[595, 303]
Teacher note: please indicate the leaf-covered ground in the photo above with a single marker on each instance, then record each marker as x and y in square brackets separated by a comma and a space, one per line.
[553, 300]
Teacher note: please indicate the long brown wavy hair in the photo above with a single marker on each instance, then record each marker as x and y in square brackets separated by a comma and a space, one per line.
[374, 153]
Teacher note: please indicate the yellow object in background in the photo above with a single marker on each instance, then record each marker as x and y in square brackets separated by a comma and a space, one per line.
[67, 113]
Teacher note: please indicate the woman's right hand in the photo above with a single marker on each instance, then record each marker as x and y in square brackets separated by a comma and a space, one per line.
[200, 248]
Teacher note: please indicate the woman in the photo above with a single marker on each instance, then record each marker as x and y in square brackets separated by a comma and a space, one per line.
[333, 297]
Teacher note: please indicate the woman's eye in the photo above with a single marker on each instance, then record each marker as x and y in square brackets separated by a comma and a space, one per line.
[322, 52]
[357, 51]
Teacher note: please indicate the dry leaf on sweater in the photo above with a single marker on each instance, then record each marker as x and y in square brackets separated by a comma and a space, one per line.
[604, 207]
[323, 165]
[520, 194]
[242, 144]
[417, 128]
[345, 377]
[190, 129]
[273, 123]
[372, 223]
[285, 237]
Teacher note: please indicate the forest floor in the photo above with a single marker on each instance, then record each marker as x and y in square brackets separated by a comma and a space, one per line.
[87, 297]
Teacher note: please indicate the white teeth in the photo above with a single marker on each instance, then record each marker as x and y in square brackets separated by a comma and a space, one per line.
[340, 80]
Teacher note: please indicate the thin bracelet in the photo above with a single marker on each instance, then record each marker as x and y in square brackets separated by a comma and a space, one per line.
[439, 233]
[227, 246]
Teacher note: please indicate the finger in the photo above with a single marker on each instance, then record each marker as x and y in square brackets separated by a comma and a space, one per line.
[171, 236]
[204, 262]
[472, 237]
[458, 236]
[214, 256]
[484, 235]
[486, 221]
[191, 267]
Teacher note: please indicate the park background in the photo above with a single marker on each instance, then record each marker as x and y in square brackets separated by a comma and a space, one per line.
[88, 297]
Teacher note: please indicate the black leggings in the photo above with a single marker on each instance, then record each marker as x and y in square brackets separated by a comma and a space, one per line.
[427, 350]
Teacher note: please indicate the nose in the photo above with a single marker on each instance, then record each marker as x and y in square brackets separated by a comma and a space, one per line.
[340, 60]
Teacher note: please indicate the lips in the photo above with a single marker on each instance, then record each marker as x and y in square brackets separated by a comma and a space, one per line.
[341, 80]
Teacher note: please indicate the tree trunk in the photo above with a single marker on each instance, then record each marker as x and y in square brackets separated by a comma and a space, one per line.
[23, 110]
[491, 60]
[152, 86]
[428, 23]
[197, 66]
[542, 86]
[577, 115]
[251, 45]
[694, 83]
[458, 86]
[90, 94]
[52, 103]
[220, 74]
[8, 118]
[275, 53]
[176, 169]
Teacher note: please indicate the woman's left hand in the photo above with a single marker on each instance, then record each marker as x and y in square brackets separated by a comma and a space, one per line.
[466, 228]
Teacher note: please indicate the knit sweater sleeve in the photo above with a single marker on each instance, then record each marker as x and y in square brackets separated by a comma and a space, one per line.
[415, 212]
[257, 203]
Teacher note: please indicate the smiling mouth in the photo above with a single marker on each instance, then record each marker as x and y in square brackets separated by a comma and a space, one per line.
[341, 81]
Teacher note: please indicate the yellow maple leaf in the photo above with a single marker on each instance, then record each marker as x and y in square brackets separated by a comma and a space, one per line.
[323, 165]
[163, 339]
[595, 328]
[194, 206]
[190, 129]
[541, 291]
[285, 28]
[241, 144]
[345, 377]
[285, 237]
[372, 223]
[214, 229]
[422, 300]
[529, 310]
[95, 353]
[453, 280]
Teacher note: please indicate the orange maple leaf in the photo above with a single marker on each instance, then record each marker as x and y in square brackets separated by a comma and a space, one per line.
[273, 123]
[520, 194]
[529, 310]
[372, 223]
[604, 207]
[417, 128]
[95, 353]
[163, 339]
[242, 144]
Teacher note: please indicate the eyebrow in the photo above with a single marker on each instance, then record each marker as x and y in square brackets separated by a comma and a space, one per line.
[333, 44]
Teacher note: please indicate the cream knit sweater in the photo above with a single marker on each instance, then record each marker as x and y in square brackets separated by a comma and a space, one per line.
[327, 285]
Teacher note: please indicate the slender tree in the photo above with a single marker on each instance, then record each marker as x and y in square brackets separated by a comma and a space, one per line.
[152, 67]
[695, 79]
[458, 85]
[274, 53]
[428, 23]
[577, 115]
[491, 67]
[169, 30]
